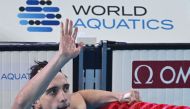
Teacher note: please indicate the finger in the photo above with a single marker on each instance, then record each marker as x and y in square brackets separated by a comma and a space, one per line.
[79, 46]
[66, 26]
[62, 32]
[62, 29]
[75, 33]
[70, 27]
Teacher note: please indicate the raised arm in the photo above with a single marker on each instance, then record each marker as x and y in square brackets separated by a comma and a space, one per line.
[39, 83]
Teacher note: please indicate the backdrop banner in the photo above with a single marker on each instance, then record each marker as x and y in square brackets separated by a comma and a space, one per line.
[134, 21]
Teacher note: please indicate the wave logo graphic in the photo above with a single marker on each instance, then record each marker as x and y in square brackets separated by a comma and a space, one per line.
[39, 16]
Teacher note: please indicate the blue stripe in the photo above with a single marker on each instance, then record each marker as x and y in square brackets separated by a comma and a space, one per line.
[33, 9]
[23, 22]
[51, 9]
[26, 15]
[32, 2]
[50, 16]
[50, 22]
[39, 29]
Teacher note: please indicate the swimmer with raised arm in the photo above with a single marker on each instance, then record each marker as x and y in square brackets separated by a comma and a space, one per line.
[48, 87]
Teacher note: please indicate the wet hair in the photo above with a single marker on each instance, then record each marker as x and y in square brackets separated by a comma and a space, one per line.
[35, 68]
[38, 66]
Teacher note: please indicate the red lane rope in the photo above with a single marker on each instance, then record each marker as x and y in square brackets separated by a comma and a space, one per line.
[141, 105]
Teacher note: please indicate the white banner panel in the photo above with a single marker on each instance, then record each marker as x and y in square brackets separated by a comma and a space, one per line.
[167, 61]
[15, 69]
[118, 20]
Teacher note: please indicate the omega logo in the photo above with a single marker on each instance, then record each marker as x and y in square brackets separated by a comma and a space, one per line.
[175, 79]
[149, 81]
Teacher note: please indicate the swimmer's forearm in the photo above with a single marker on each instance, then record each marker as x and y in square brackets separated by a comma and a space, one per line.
[97, 98]
[39, 83]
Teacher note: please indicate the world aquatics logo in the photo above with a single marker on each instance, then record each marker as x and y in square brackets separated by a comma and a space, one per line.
[39, 16]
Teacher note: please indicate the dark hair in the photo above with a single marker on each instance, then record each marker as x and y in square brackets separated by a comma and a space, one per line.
[35, 68]
[38, 66]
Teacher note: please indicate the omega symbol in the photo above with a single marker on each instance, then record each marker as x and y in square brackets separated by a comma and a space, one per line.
[149, 81]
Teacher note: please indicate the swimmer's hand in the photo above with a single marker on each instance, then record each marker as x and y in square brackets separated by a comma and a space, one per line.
[130, 97]
[67, 45]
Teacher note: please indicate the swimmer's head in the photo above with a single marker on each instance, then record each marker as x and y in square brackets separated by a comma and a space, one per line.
[57, 94]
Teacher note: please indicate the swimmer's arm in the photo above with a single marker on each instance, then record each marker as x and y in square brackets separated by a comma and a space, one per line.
[97, 98]
[39, 83]
[77, 101]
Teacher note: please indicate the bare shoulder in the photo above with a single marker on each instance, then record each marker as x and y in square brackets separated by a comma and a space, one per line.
[77, 101]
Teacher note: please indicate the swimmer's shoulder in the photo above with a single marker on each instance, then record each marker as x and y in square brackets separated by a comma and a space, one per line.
[77, 101]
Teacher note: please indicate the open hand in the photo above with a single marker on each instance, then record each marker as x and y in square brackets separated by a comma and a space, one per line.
[67, 46]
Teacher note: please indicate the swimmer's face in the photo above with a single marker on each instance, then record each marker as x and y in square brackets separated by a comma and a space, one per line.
[57, 94]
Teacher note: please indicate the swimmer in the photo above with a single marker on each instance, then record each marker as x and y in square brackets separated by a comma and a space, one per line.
[48, 87]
